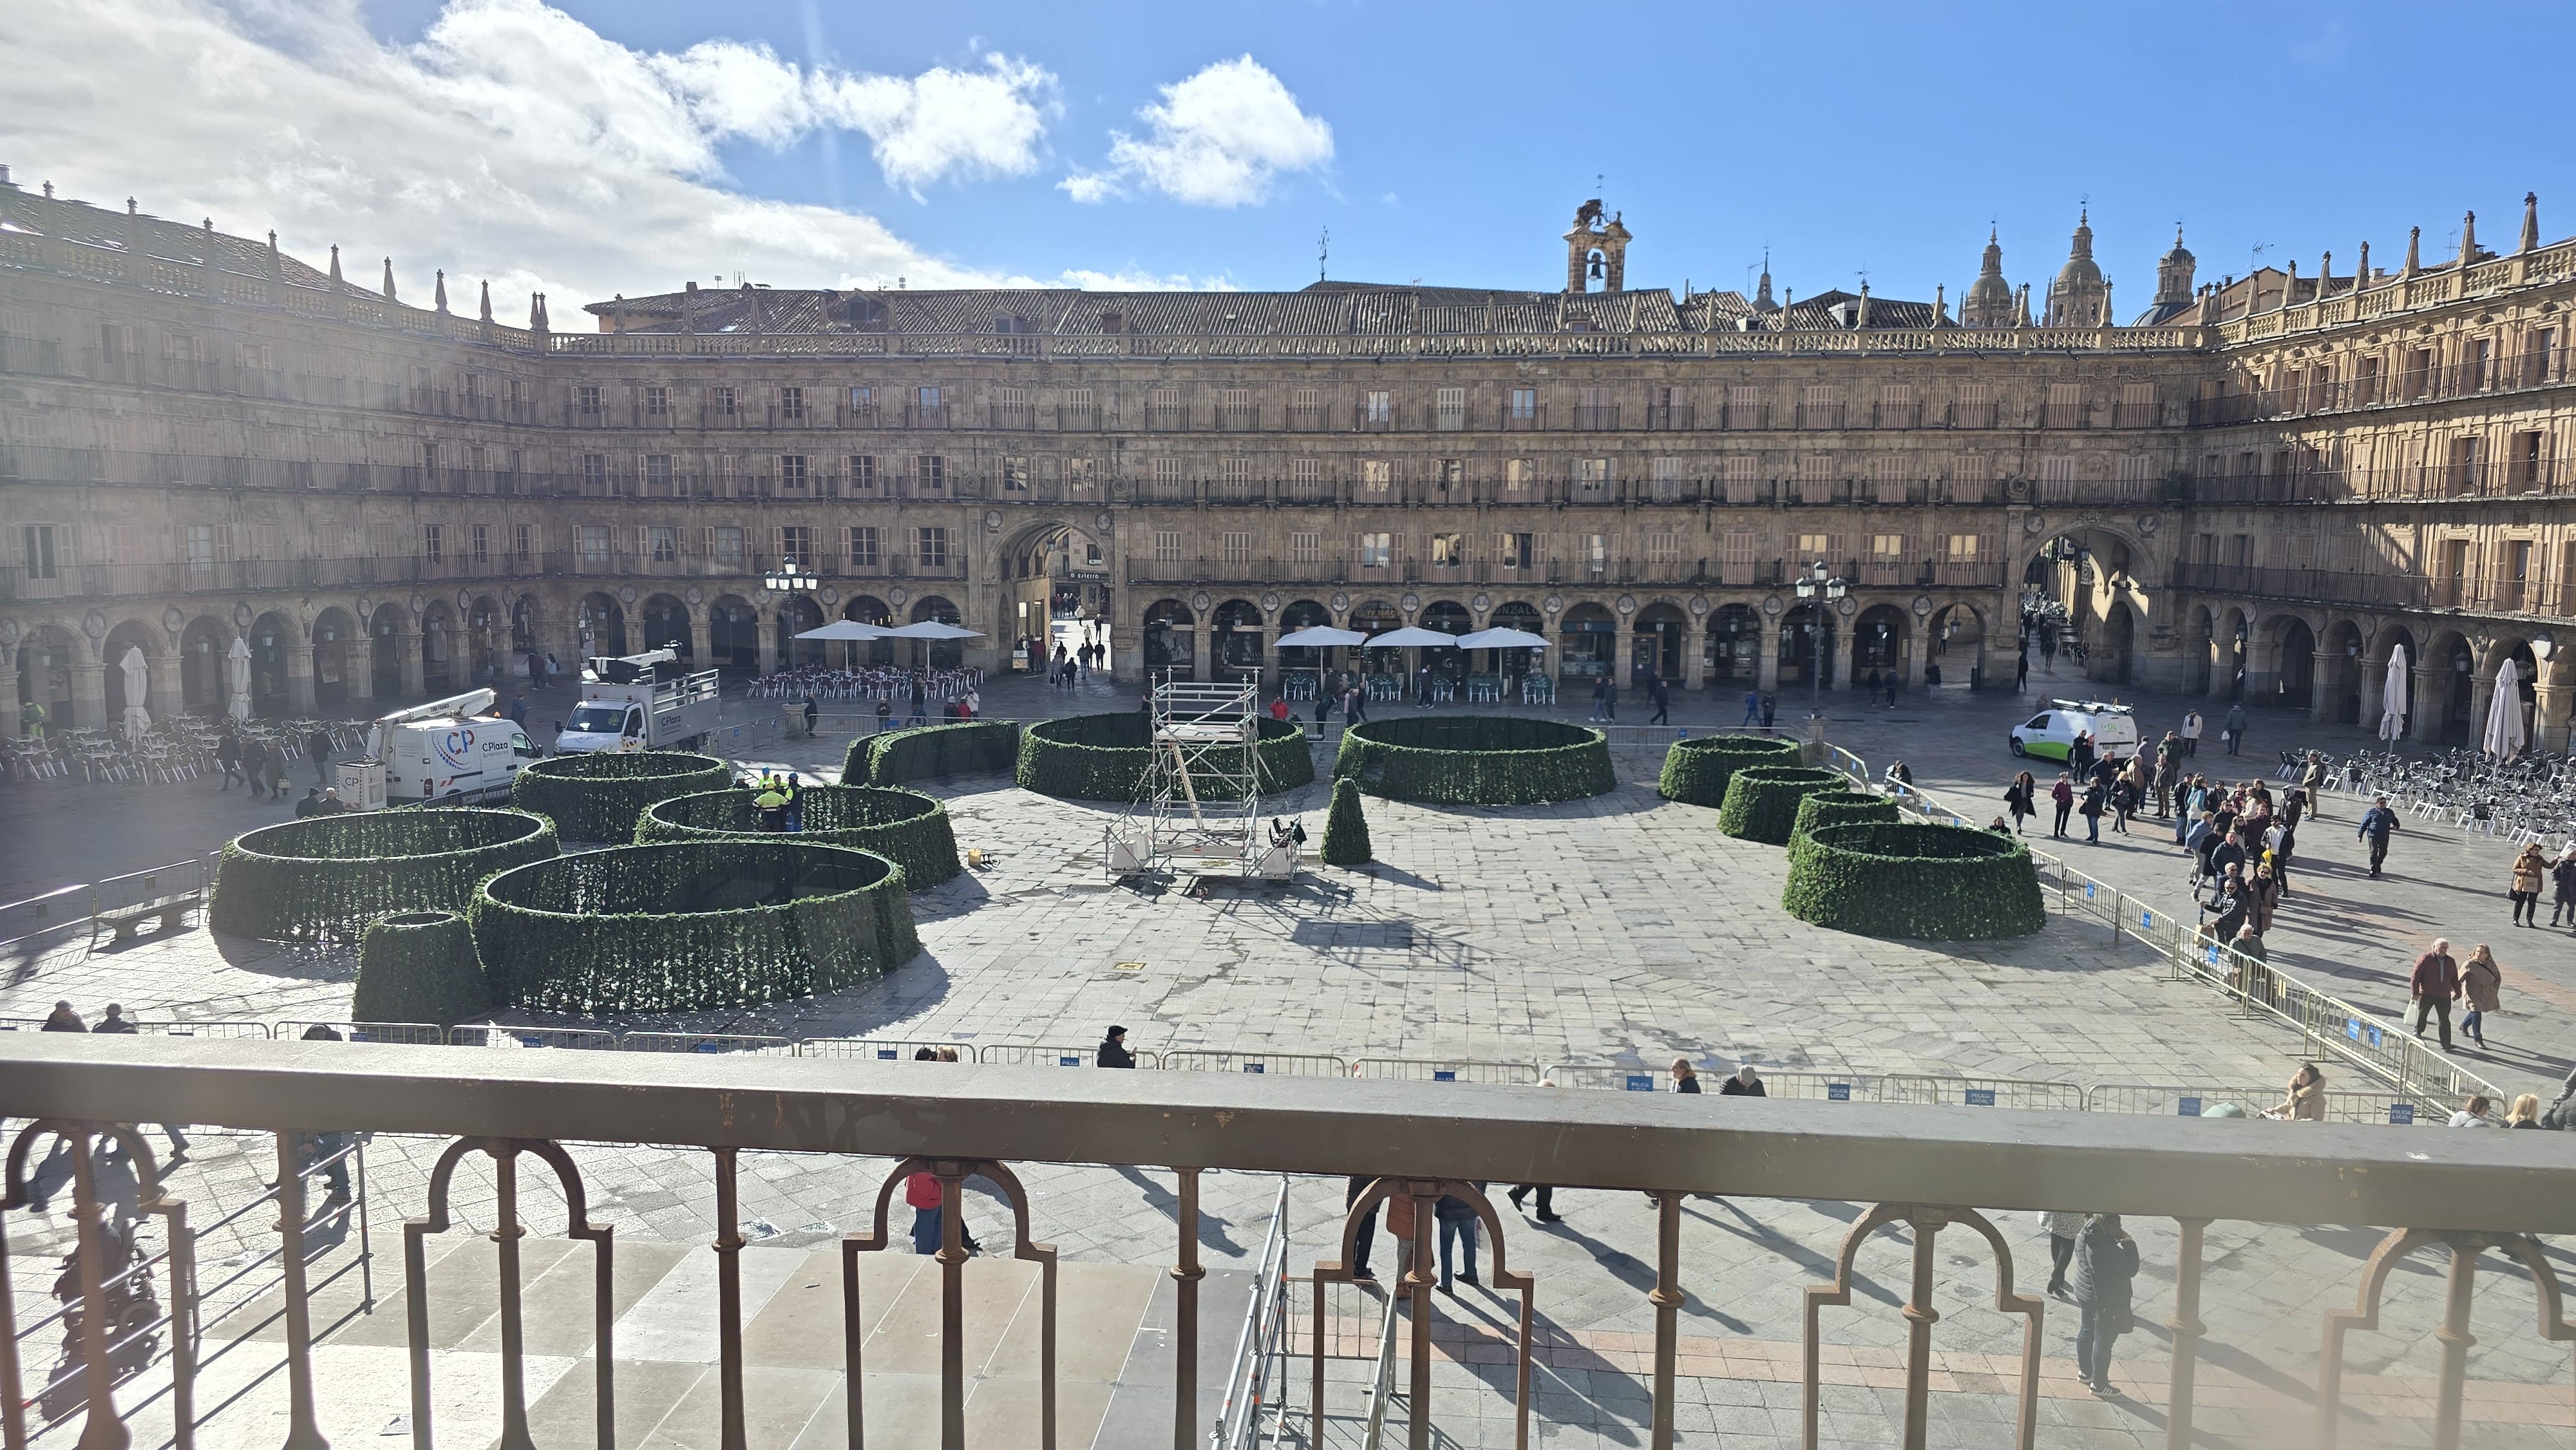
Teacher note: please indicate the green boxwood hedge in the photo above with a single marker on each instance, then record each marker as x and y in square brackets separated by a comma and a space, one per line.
[597, 796]
[691, 925]
[419, 966]
[1346, 832]
[1484, 760]
[1913, 880]
[904, 826]
[331, 875]
[1841, 808]
[1697, 770]
[1762, 800]
[932, 752]
[1103, 757]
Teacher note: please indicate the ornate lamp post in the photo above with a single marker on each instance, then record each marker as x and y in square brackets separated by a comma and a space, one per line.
[1818, 589]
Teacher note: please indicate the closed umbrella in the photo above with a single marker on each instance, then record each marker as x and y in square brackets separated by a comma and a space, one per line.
[237, 678]
[2504, 736]
[2392, 696]
[138, 683]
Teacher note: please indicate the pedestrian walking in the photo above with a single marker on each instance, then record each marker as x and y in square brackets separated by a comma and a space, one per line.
[519, 711]
[2096, 800]
[813, 713]
[1661, 694]
[2063, 793]
[1770, 708]
[1609, 702]
[2434, 985]
[2079, 756]
[2481, 986]
[2562, 876]
[1875, 683]
[1547, 1196]
[1363, 1237]
[2306, 1102]
[254, 761]
[2106, 1260]
[2262, 895]
[920, 700]
[2225, 908]
[2191, 732]
[2021, 672]
[2313, 781]
[2377, 824]
[1457, 1219]
[228, 756]
[2017, 799]
[2235, 729]
[1752, 707]
[1685, 1076]
[2062, 1229]
[2473, 1113]
[1113, 1050]
[885, 714]
[116, 1023]
[317, 747]
[2530, 872]
[1746, 1083]
[277, 772]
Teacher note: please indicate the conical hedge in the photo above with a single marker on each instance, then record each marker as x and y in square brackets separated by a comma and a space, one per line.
[1346, 836]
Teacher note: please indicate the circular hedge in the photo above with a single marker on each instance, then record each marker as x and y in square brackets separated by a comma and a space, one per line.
[1841, 808]
[331, 875]
[689, 925]
[1762, 800]
[930, 752]
[419, 966]
[1921, 882]
[597, 796]
[904, 826]
[1483, 760]
[1103, 757]
[1697, 770]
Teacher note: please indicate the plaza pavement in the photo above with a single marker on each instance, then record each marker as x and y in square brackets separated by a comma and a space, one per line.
[1617, 930]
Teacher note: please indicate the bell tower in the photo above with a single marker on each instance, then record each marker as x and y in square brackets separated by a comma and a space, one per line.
[1596, 250]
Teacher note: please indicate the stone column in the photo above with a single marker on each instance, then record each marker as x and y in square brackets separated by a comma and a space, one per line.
[2549, 714]
[1766, 663]
[1127, 651]
[358, 665]
[407, 645]
[2481, 693]
[10, 726]
[1918, 653]
[89, 694]
[2324, 680]
[768, 639]
[299, 678]
[162, 695]
[2425, 724]
[1846, 651]
[1695, 657]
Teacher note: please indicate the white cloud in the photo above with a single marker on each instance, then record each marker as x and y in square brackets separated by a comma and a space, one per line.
[1219, 138]
[510, 142]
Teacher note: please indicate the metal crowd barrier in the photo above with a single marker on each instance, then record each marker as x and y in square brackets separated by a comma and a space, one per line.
[1409, 1069]
[1032, 1054]
[1276, 1064]
[579, 1038]
[84, 904]
[706, 1042]
[2194, 1100]
[156, 1029]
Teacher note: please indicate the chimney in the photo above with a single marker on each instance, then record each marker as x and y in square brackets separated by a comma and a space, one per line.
[2468, 239]
[487, 299]
[2530, 216]
[1940, 303]
[441, 301]
[2414, 252]
[335, 264]
[2361, 274]
[389, 280]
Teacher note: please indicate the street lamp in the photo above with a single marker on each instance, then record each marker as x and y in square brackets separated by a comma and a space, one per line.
[1817, 589]
[788, 579]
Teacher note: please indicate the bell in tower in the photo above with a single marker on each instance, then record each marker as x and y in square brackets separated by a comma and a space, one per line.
[1596, 251]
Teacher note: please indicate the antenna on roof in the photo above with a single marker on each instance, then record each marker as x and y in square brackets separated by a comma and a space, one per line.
[1323, 251]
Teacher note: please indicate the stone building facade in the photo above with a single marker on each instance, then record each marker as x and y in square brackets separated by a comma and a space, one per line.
[2261, 486]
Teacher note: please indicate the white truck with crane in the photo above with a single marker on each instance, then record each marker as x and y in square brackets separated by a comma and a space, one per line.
[647, 701]
[446, 750]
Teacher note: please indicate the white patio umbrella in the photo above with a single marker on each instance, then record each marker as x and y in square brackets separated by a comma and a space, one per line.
[237, 678]
[138, 683]
[2504, 737]
[1502, 638]
[845, 631]
[1412, 636]
[930, 629]
[2392, 696]
[1319, 636]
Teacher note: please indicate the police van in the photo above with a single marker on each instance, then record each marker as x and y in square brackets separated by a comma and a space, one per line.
[2050, 734]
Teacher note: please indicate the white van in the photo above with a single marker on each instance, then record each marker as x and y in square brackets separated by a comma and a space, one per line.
[2050, 734]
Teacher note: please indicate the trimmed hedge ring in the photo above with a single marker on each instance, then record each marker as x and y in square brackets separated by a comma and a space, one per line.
[1762, 800]
[597, 796]
[687, 926]
[930, 752]
[331, 875]
[1914, 881]
[1697, 770]
[1104, 757]
[419, 966]
[904, 826]
[1841, 808]
[1479, 760]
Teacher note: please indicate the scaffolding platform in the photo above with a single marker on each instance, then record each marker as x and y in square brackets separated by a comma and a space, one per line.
[1197, 810]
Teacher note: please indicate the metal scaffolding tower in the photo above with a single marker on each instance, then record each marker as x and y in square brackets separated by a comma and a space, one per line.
[1198, 809]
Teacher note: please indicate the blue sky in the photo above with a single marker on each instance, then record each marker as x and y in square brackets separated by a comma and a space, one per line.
[1448, 143]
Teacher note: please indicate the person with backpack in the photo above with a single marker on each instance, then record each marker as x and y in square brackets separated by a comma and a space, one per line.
[2377, 824]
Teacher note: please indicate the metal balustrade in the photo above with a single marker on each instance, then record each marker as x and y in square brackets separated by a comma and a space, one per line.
[1933, 1169]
